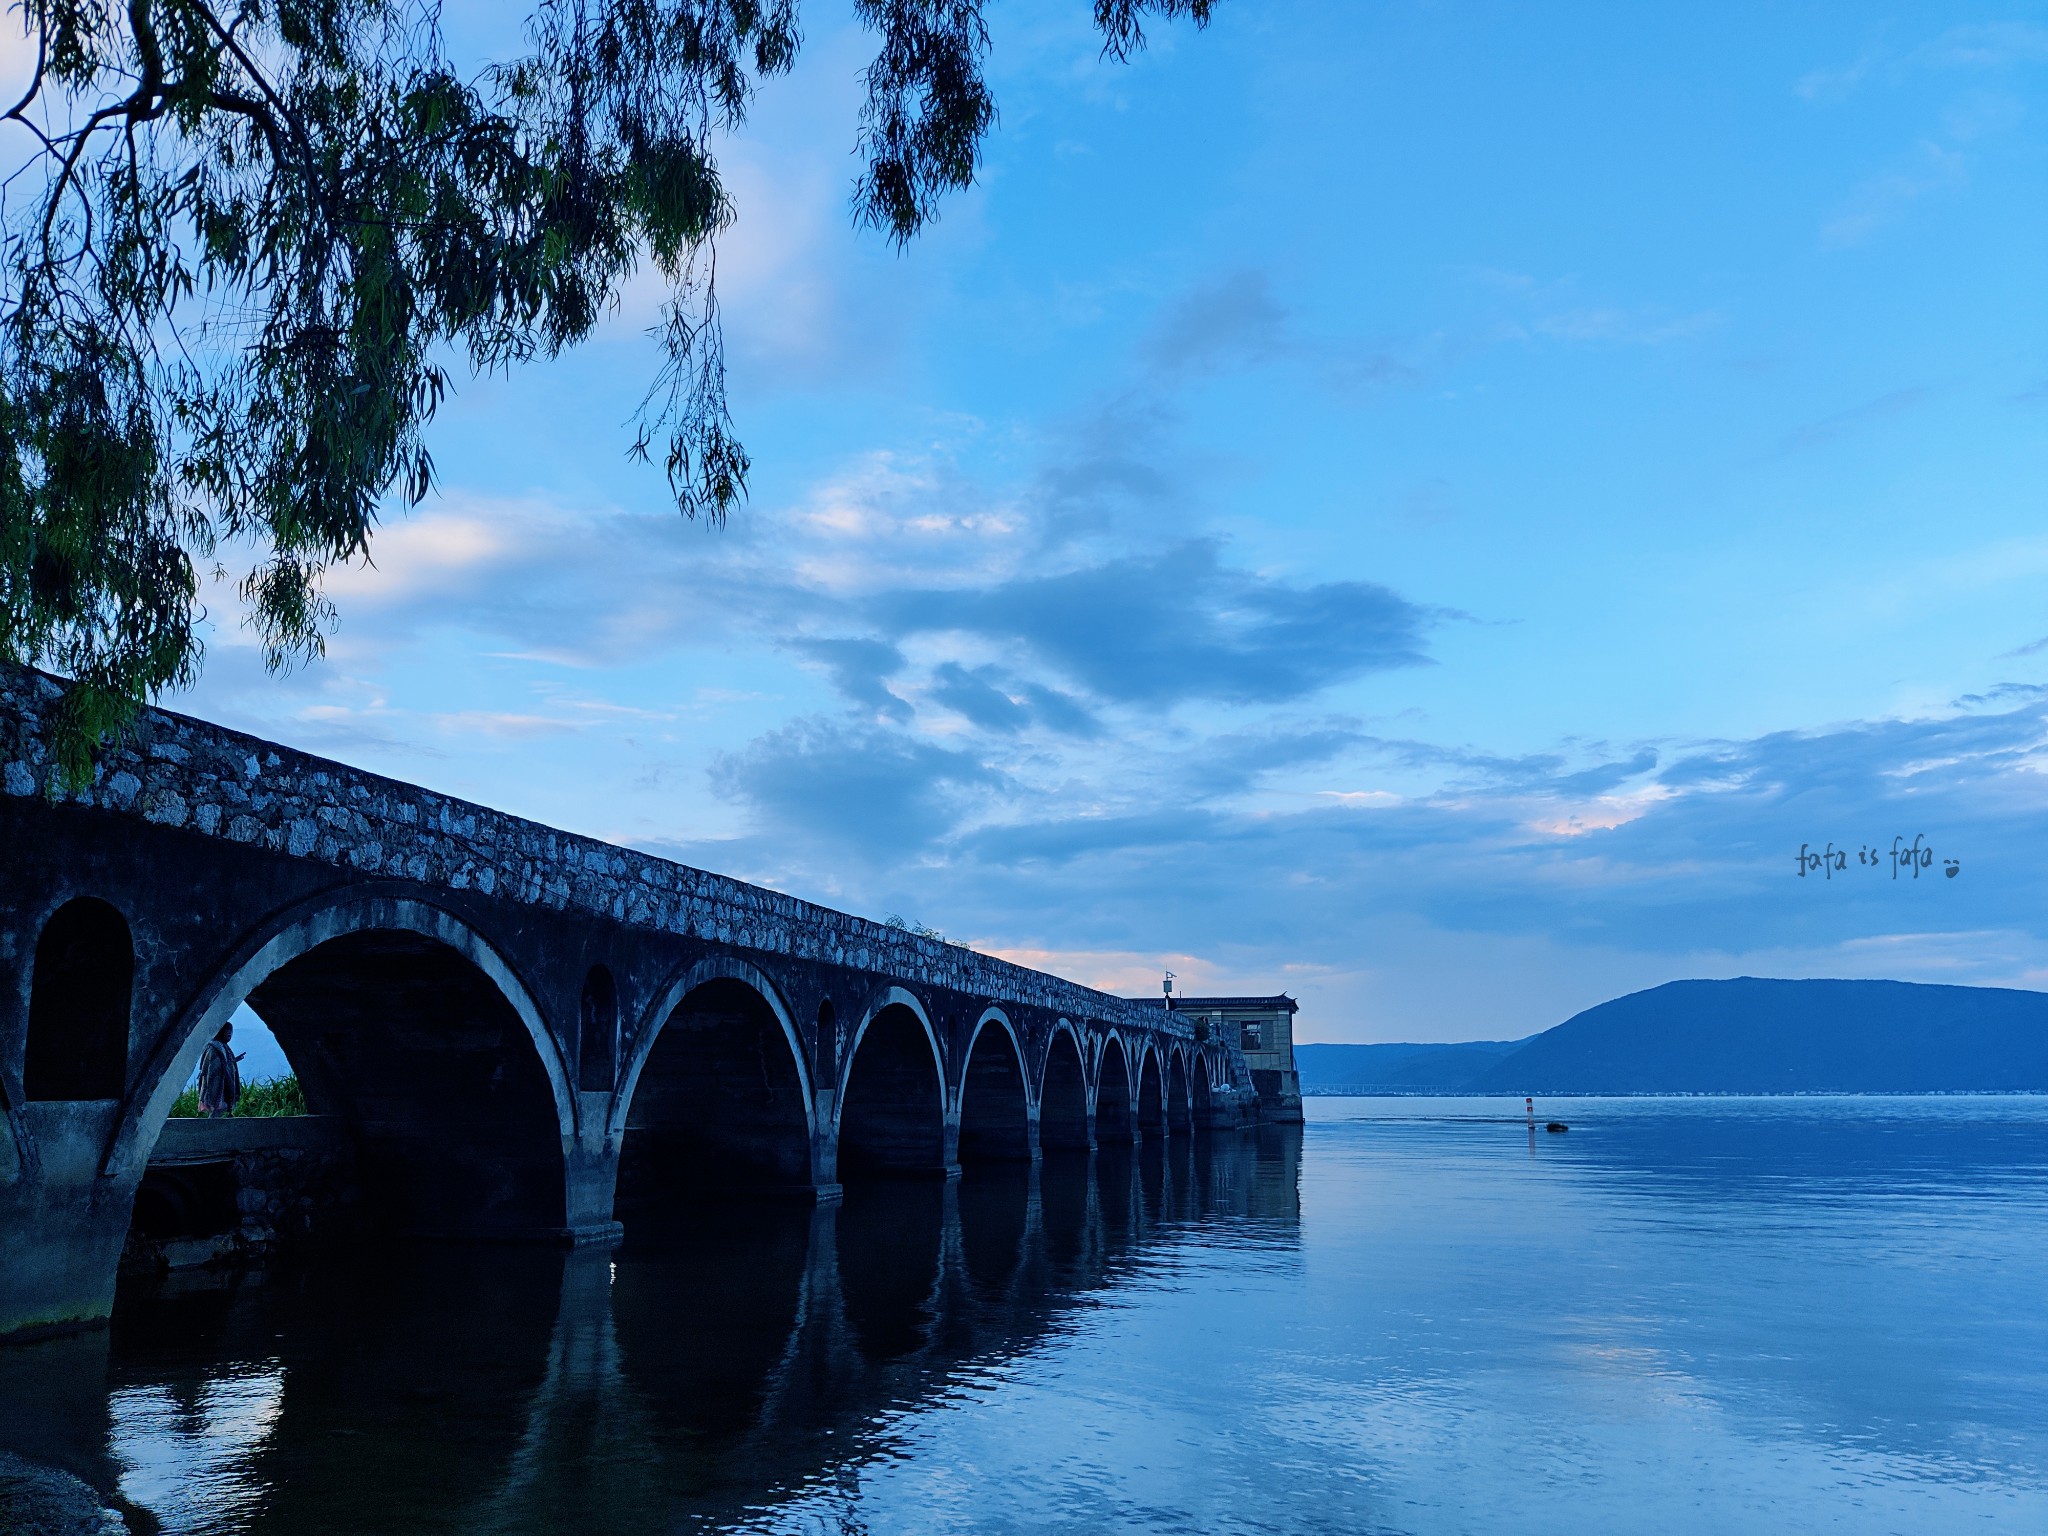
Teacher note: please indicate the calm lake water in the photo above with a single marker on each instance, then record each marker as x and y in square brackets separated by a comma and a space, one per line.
[1705, 1315]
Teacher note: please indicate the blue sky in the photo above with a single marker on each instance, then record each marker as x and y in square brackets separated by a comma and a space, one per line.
[1423, 505]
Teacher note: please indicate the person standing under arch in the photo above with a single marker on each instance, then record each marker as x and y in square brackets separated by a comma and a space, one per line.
[220, 1075]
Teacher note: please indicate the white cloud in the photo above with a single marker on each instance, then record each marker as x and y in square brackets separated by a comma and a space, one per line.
[1989, 45]
[516, 727]
[1884, 198]
[1836, 82]
[440, 551]
[1638, 327]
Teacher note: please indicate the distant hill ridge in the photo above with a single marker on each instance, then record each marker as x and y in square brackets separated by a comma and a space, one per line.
[1397, 1068]
[1749, 1035]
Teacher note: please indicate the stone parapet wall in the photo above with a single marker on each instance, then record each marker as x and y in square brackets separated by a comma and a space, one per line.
[175, 771]
[191, 1139]
[231, 1191]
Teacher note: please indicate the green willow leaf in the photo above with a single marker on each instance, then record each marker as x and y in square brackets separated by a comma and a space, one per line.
[254, 228]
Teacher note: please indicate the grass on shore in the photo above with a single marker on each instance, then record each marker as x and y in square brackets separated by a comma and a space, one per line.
[273, 1096]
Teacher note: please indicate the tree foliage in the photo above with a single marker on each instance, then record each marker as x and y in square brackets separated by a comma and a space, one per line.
[247, 240]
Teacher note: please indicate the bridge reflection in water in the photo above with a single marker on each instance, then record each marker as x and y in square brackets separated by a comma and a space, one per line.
[738, 1357]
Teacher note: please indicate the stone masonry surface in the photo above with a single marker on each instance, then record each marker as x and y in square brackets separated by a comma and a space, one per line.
[180, 772]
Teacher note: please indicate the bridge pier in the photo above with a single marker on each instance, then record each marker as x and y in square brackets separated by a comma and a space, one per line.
[590, 1177]
[62, 1223]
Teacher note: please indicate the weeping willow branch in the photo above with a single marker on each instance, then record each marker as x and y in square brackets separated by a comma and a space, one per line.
[249, 235]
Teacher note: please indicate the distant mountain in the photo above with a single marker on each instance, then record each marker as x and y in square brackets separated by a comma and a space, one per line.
[1396, 1068]
[1750, 1035]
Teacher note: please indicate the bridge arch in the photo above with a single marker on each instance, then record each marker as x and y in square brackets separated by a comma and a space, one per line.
[1179, 1094]
[889, 1115]
[1151, 1098]
[714, 1096]
[1063, 1091]
[1114, 1100]
[995, 1094]
[403, 1020]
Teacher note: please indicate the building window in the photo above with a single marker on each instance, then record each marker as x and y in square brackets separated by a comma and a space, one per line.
[1251, 1037]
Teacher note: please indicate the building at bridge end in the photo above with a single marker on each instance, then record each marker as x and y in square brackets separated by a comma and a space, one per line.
[1263, 1029]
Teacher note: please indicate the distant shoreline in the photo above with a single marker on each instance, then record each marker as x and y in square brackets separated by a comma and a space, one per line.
[1673, 1093]
[1750, 1036]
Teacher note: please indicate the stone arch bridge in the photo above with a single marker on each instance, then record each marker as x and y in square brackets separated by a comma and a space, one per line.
[526, 1035]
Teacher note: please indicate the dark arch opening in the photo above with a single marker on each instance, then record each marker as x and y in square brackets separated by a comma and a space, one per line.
[1198, 1095]
[1151, 1097]
[994, 1117]
[891, 1120]
[995, 1216]
[706, 1321]
[891, 1244]
[194, 1200]
[1179, 1105]
[1063, 1098]
[78, 1004]
[1113, 1094]
[1066, 1186]
[719, 1105]
[825, 1042]
[597, 1040]
[434, 1077]
[1181, 1204]
[1116, 1173]
[1150, 1186]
